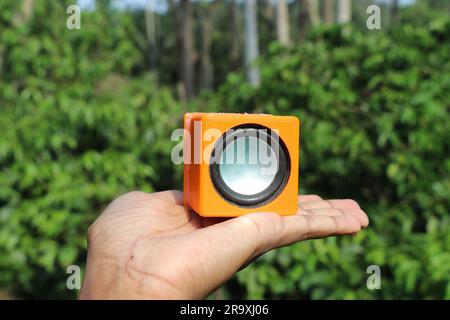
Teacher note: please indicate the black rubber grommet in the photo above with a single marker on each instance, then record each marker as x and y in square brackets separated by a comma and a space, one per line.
[279, 181]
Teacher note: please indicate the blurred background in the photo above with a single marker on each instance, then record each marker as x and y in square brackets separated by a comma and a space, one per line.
[87, 114]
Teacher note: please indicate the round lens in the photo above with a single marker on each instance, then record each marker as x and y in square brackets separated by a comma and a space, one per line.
[248, 165]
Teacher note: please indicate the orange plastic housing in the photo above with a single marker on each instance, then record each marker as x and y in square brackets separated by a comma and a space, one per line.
[199, 191]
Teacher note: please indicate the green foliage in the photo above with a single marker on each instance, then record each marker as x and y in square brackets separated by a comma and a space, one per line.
[375, 112]
[77, 131]
[63, 157]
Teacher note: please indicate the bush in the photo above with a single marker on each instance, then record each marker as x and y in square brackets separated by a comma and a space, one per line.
[375, 112]
[63, 157]
[79, 127]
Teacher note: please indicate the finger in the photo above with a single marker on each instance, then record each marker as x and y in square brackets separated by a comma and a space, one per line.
[203, 259]
[221, 249]
[253, 234]
[312, 227]
[302, 227]
[339, 204]
[171, 195]
[358, 214]
[308, 197]
[206, 222]
[224, 247]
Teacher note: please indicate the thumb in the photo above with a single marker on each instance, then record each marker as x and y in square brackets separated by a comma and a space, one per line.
[223, 248]
[231, 244]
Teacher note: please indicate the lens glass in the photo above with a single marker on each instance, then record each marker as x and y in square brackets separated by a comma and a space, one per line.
[248, 165]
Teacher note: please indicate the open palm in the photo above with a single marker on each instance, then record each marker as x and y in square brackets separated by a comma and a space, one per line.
[151, 246]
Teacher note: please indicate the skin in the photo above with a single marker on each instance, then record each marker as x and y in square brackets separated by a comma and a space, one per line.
[149, 246]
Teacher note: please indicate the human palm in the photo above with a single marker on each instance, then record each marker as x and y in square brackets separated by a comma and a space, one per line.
[151, 246]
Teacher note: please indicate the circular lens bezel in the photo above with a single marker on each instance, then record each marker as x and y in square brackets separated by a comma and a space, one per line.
[278, 183]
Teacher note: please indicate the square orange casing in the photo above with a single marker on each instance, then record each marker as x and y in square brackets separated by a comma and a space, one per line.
[199, 191]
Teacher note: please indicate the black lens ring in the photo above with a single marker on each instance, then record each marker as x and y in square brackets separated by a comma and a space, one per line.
[279, 181]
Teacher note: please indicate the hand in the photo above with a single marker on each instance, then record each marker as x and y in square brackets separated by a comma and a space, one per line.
[148, 246]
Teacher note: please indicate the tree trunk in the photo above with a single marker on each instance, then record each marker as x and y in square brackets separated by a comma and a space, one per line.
[251, 42]
[187, 47]
[328, 11]
[313, 11]
[207, 27]
[235, 51]
[283, 23]
[150, 26]
[303, 21]
[308, 16]
[25, 13]
[268, 10]
[20, 18]
[394, 12]
[344, 11]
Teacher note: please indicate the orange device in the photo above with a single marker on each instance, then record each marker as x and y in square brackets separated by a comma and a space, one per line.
[240, 163]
